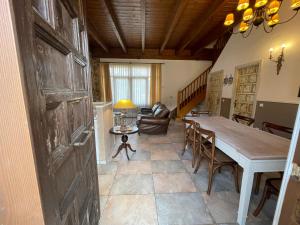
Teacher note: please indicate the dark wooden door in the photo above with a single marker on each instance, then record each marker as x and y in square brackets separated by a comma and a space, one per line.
[54, 51]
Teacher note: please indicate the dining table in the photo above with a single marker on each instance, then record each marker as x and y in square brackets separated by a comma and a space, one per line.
[253, 149]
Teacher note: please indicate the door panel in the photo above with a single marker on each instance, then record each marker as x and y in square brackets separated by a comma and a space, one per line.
[57, 77]
[245, 91]
[214, 92]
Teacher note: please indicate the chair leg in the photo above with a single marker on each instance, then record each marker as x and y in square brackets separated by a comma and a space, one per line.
[194, 156]
[257, 183]
[236, 175]
[198, 161]
[265, 196]
[210, 178]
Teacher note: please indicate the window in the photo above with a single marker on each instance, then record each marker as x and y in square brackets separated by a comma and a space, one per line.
[131, 81]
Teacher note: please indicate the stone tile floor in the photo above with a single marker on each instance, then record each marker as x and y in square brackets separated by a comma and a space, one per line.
[157, 186]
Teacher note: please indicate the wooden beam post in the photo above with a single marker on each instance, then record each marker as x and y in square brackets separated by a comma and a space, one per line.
[115, 24]
[178, 10]
[20, 194]
[143, 22]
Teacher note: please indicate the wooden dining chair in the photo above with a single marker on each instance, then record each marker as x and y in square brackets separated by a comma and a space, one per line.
[216, 158]
[247, 120]
[191, 139]
[272, 185]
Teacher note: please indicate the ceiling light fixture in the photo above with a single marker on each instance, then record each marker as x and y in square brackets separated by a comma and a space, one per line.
[264, 13]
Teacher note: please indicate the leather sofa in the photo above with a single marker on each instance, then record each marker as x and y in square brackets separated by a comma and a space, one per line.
[154, 120]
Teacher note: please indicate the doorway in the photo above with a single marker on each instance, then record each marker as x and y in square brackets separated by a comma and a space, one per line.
[214, 92]
[245, 89]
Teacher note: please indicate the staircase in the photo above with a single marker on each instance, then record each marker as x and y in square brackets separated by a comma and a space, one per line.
[195, 92]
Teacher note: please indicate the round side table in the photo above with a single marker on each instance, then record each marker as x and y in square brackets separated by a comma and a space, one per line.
[124, 145]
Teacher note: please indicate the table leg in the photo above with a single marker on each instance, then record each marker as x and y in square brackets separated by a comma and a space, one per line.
[247, 182]
[126, 151]
[129, 146]
[119, 150]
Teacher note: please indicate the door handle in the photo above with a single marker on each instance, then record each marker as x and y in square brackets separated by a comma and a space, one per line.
[295, 172]
[85, 140]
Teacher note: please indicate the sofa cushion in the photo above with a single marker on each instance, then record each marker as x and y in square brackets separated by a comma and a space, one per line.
[155, 107]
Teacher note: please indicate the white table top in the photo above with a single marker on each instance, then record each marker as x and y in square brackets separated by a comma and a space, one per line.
[253, 143]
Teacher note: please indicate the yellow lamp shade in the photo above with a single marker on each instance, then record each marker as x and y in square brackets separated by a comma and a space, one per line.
[243, 4]
[229, 19]
[295, 4]
[248, 14]
[124, 104]
[243, 27]
[273, 7]
[260, 3]
[274, 20]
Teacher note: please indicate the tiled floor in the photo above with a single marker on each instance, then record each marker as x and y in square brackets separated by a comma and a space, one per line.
[157, 186]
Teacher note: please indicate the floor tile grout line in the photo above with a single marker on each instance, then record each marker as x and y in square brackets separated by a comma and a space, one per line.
[155, 200]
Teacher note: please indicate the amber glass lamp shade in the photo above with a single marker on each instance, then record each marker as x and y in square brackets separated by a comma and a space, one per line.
[243, 27]
[124, 104]
[248, 14]
[295, 4]
[229, 19]
[243, 4]
[274, 20]
[273, 7]
[260, 3]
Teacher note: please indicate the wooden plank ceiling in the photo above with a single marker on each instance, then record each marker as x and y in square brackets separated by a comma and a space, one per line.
[156, 29]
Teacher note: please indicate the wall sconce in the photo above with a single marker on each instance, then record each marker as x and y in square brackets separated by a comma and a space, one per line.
[280, 58]
[228, 80]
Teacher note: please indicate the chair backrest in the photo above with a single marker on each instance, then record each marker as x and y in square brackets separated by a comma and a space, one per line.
[272, 127]
[206, 136]
[238, 118]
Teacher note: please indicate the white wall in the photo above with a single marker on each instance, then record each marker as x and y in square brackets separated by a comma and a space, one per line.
[239, 51]
[176, 74]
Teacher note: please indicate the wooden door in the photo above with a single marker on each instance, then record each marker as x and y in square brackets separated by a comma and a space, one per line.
[290, 212]
[245, 90]
[54, 51]
[214, 92]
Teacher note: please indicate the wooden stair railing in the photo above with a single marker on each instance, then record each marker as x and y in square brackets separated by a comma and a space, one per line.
[192, 94]
[195, 92]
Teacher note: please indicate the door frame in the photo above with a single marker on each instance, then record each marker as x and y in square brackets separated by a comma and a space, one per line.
[221, 89]
[288, 168]
[235, 81]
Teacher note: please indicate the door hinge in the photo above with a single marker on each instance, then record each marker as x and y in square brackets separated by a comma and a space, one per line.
[296, 172]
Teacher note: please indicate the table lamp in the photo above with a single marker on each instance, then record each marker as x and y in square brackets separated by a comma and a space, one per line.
[124, 105]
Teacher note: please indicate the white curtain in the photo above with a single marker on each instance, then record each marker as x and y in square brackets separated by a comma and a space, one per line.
[131, 81]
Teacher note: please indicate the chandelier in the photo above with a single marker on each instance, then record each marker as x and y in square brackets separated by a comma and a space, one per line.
[264, 13]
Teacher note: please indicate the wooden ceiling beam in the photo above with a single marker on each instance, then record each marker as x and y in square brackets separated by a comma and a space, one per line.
[210, 37]
[143, 22]
[94, 34]
[178, 10]
[215, 33]
[135, 53]
[115, 24]
[214, 7]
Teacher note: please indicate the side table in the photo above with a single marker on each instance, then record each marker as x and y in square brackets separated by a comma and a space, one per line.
[124, 145]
